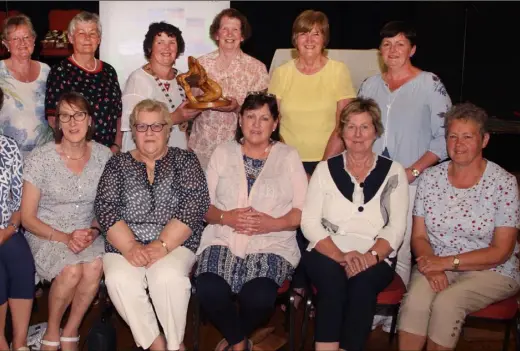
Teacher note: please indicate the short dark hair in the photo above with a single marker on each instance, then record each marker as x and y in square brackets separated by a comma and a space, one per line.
[245, 28]
[254, 102]
[467, 112]
[79, 101]
[157, 28]
[393, 28]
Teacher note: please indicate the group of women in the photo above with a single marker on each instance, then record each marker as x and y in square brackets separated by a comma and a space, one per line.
[297, 179]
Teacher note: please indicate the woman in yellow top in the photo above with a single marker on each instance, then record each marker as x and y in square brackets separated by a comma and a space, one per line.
[311, 91]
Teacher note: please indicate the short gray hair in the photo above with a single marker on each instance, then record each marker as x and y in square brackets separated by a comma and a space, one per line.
[10, 23]
[84, 16]
[467, 112]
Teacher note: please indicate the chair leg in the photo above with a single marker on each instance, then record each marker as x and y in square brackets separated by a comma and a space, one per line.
[291, 315]
[395, 311]
[507, 334]
[517, 331]
[305, 323]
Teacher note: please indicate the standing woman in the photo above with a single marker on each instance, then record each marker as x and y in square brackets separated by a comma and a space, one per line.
[16, 261]
[93, 78]
[23, 82]
[413, 103]
[163, 44]
[236, 73]
[311, 91]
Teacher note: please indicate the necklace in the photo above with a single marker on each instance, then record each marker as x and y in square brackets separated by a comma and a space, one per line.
[85, 68]
[75, 158]
[184, 126]
[357, 176]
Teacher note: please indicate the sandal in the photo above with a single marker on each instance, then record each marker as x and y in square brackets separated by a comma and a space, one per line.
[50, 343]
[69, 339]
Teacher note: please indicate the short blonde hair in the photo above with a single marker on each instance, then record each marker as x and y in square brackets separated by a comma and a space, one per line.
[361, 105]
[149, 105]
[306, 21]
[84, 16]
[10, 23]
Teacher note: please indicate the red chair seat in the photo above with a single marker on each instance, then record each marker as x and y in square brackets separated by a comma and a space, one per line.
[393, 294]
[505, 309]
[285, 286]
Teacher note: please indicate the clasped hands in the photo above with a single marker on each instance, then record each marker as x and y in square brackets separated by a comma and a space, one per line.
[140, 255]
[249, 221]
[80, 239]
[433, 267]
[355, 262]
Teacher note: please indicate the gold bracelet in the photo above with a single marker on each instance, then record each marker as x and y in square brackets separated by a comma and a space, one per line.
[221, 218]
[164, 245]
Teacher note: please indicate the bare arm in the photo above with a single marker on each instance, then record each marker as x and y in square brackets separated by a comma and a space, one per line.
[335, 144]
[29, 210]
[174, 234]
[420, 243]
[427, 160]
[121, 237]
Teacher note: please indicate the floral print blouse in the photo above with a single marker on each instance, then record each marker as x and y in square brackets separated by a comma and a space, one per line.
[464, 220]
[100, 88]
[10, 180]
[211, 127]
[22, 117]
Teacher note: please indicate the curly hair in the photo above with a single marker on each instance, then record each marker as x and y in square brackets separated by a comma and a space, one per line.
[157, 28]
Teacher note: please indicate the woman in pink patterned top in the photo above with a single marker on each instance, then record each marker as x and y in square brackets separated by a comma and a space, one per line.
[237, 74]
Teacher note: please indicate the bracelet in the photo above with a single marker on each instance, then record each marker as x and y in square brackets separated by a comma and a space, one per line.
[52, 233]
[164, 245]
[221, 218]
[96, 228]
[114, 144]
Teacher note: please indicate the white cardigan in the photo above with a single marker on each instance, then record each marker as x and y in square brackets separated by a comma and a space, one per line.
[356, 214]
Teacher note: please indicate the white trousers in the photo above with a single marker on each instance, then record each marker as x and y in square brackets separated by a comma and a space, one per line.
[169, 287]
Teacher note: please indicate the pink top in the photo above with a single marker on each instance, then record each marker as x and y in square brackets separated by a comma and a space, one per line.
[280, 187]
[212, 127]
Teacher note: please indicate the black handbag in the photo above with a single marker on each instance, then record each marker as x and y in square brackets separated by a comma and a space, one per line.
[102, 336]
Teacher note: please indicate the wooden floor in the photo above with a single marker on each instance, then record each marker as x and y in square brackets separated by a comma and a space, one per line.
[488, 337]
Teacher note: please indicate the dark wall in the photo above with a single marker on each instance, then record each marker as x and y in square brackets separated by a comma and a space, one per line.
[490, 70]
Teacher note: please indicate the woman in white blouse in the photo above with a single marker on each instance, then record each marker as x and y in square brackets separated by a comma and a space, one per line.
[163, 44]
[354, 218]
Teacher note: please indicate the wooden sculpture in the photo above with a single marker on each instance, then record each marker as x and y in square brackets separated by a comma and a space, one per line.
[197, 77]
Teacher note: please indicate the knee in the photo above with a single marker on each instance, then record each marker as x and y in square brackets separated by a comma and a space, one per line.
[93, 270]
[72, 274]
[259, 294]
[212, 288]
[446, 305]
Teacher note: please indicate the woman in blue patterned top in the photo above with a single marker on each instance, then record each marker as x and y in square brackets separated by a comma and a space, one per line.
[23, 82]
[16, 261]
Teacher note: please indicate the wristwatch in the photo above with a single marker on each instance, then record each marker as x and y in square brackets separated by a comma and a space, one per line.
[456, 263]
[374, 253]
[415, 172]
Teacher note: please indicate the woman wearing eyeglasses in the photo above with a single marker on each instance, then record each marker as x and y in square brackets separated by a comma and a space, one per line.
[150, 204]
[23, 81]
[60, 180]
[96, 80]
[257, 187]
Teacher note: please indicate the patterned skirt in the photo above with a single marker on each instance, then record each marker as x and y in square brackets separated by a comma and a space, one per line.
[238, 271]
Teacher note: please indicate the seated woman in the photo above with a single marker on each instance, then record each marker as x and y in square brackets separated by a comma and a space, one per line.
[60, 180]
[151, 203]
[16, 261]
[257, 187]
[354, 218]
[464, 236]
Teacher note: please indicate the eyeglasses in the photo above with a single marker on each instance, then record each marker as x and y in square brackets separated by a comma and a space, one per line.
[78, 116]
[261, 92]
[25, 39]
[143, 128]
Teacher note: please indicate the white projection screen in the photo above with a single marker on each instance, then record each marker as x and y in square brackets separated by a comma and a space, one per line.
[125, 24]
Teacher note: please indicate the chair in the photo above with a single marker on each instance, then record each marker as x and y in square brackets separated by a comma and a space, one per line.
[289, 316]
[388, 300]
[504, 312]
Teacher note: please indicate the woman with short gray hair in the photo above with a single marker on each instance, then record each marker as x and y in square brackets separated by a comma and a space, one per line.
[96, 80]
